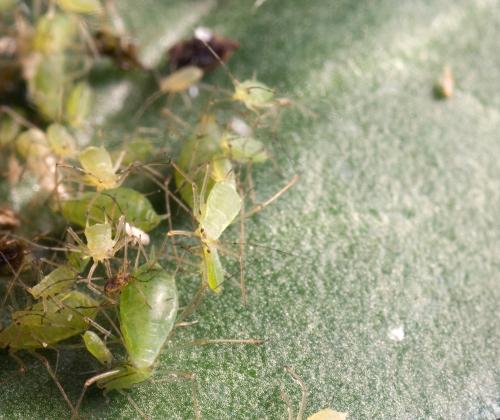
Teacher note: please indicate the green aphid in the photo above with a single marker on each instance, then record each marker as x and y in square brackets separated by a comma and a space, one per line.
[54, 33]
[112, 204]
[88, 7]
[78, 104]
[9, 129]
[253, 94]
[244, 149]
[148, 309]
[219, 211]
[195, 154]
[139, 149]
[97, 348]
[47, 86]
[47, 323]
[99, 169]
[57, 281]
[61, 141]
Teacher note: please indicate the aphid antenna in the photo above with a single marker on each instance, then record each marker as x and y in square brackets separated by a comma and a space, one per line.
[273, 198]
[233, 79]
[133, 404]
[288, 402]
[194, 387]
[225, 341]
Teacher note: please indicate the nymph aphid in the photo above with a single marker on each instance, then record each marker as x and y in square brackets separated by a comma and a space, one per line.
[100, 246]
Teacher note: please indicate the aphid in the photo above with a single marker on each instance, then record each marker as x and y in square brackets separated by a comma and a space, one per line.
[328, 414]
[89, 7]
[54, 33]
[47, 323]
[78, 104]
[9, 129]
[244, 149]
[57, 281]
[122, 51]
[194, 52]
[181, 80]
[213, 215]
[112, 204]
[443, 89]
[99, 169]
[148, 309]
[61, 141]
[100, 245]
[97, 348]
[8, 219]
[253, 94]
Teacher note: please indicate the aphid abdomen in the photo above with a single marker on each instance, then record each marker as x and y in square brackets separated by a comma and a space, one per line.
[148, 308]
[222, 206]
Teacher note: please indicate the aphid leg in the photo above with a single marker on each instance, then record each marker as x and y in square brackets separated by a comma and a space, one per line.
[89, 382]
[288, 403]
[263, 205]
[19, 361]
[244, 341]
[303, 388]
[244, 298]
[169, 219]
[191, 307]
[46, 363]
[133, 404]
[191, 377]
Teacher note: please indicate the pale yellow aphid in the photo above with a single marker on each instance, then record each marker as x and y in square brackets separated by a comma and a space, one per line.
[253, 94]
[100, 171]
[328, 414]
[89, 7]
[61, 141]
[101, 246]
[181, 80]
[97, 347]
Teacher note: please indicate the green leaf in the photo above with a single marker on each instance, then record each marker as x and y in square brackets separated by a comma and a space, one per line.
[394, 222]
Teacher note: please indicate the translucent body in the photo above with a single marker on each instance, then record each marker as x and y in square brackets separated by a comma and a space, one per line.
[77, 106]
[9, 129]
[97, 347]
[222, 206]
[328, 414]
[253, 94]
[60, 140]
[91, 7]
[96, 161]
[181, 80]
[60, 279]
[112, 204]
[244, 149]
[148, 308]
[100, 244]
[61, 317]
[54, 33]
[211, 268]
[46, 87]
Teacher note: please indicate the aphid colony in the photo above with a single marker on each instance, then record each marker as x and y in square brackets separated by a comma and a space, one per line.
[92, 275]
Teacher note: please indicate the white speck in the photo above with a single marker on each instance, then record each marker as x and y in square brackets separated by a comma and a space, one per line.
[203, 33]
[193, 91]
[240, 127]
[396, 334]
